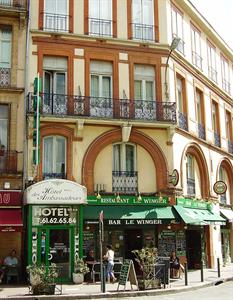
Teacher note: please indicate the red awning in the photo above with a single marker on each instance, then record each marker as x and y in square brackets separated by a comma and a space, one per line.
[11, 217]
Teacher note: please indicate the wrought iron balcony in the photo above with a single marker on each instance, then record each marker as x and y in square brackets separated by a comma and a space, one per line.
[56, 22]
[100, 27]
[213, 74]
[183, 124]
[54, 175]
[226, 86]
[142, 32]
[107, 108]
[201, 131]
[217, 141]
[191, 191]
[13, 3]
[197, 60]
[125, 182]
[230, 147]
[5, 77]
[11, 162]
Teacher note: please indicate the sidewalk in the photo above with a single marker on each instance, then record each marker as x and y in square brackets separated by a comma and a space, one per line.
[92, 291]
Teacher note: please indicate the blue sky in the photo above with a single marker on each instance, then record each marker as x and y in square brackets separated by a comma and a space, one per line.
[219, 13]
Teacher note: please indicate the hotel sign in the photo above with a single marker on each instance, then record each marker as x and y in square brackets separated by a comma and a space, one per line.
[55, 191]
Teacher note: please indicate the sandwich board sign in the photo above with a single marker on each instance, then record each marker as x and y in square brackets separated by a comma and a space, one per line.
[127, 274]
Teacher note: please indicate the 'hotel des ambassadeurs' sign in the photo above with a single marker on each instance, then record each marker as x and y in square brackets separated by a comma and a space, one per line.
[55, 191]
[128, 200]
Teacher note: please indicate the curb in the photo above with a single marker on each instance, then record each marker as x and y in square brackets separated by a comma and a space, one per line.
[122, 294]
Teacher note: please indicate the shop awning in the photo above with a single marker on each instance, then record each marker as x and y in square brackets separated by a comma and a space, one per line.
[11, 217]
[91, 212]
[198, 216]
[227, 214]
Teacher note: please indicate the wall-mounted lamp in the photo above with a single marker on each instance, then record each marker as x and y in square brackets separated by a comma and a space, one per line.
[185, 227]
[7, 185]
[174, 45]
[169, 226]
[139, 198]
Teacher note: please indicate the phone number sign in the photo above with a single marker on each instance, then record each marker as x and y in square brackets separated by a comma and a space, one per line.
[53, 215]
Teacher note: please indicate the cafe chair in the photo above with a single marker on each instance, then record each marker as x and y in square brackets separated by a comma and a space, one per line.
[12, 271]
[95, 271]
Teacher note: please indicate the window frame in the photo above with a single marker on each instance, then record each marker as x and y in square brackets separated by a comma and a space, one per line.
[175, 11]
[225, 72]
[196, 46]
[212, 62]
[54, 154]
[10, 41]
[8, 124]
[123, 158]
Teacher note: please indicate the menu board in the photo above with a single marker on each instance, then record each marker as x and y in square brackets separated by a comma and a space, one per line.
[88, 241]
[180, 243]
[127, 274]
[166, 242]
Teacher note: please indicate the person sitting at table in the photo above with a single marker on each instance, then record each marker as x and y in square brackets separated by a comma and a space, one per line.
[11, 260]
[174, 265]
[90, 261]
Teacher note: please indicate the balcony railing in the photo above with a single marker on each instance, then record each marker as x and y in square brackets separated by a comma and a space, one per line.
[213, 74]
[5, 77]
[191, 187]
[11, 162]
[230, 147]
[108, 108]
[226, 86]
[183, 124]
[217, 141]
[54, 175]
[125, 182]
[201, 131]
[100, 27]
[142, 32]
[56, 22]
[13, 3]
[197, 60]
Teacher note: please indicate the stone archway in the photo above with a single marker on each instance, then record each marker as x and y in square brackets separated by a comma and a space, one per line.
[115, 136]
[195, 150]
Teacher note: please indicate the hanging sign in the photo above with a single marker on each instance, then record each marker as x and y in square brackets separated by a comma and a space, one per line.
[220, 187]
[174, 177]
[127, 274]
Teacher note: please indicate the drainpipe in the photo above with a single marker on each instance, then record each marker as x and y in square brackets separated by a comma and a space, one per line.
[25, 142]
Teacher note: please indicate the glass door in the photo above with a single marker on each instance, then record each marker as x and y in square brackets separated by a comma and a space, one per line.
[55, 247]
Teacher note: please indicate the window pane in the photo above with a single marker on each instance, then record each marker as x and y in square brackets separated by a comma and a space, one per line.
[137, 11]
[106, 9]
[60, 158]
[149, 90]
[138, 90]
[5, 47]
[3, 125]
[60, 84]
[129, 158]
[48, 155]
[147, 10]
[106, 92]
[94, 86]
[116, 158]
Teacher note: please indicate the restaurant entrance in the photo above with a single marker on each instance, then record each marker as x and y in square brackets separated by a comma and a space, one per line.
[193, 248]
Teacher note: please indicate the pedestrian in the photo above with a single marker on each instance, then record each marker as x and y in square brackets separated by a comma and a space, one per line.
[174, 265]
[109, 257]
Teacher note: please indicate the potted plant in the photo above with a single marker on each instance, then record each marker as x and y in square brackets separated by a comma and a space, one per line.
[80, 269]
[146, 258]
[42, 279]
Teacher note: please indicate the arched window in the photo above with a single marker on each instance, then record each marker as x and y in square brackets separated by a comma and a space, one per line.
[125, 177]
[54, 157]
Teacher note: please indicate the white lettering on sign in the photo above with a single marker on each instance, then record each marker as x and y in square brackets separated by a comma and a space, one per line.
[51, 212]
[56, 191]
[134, 222]
[5, 198]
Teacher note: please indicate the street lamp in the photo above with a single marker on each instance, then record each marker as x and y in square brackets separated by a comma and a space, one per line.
[174, 45]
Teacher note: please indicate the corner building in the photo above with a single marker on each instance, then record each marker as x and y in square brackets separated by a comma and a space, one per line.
[144, 124]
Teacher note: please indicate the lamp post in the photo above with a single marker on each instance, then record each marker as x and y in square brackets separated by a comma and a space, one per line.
[174, 45]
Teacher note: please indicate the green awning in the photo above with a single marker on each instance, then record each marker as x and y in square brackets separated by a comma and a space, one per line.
[91, 212]
[198, 216]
